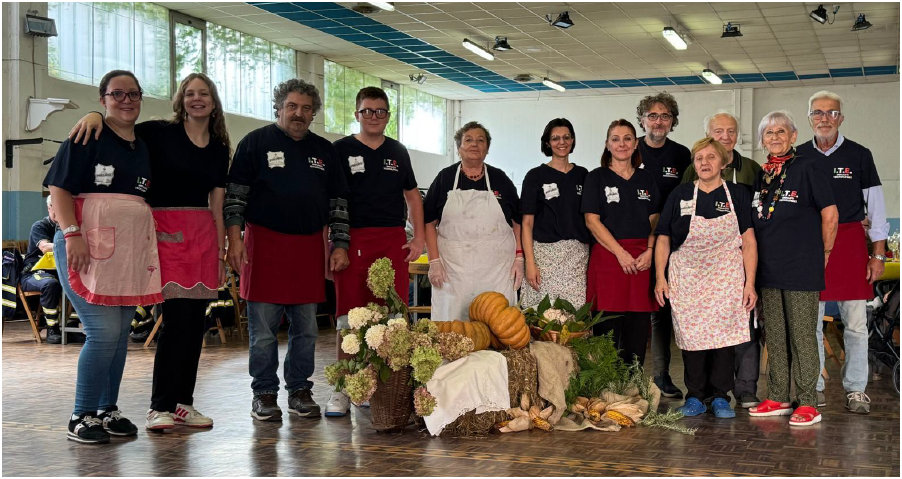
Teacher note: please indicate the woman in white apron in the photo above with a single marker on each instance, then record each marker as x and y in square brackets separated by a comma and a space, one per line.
[472, 233]
[711, 283]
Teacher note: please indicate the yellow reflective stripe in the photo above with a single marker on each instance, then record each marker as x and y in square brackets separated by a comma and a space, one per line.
[9, 304]
[9, 288]
[141, 311]
[49, 311]
[73, 314]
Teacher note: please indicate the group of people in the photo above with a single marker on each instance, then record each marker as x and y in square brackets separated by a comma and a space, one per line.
[154, 213]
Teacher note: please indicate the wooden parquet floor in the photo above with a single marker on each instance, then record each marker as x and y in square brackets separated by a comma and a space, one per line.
[38, 389]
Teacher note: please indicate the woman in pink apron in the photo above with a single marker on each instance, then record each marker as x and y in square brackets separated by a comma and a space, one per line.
[472, 230]
[106, 252]
[706, 232]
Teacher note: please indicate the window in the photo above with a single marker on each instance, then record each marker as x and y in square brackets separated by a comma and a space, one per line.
[418, 118]
[95, 38]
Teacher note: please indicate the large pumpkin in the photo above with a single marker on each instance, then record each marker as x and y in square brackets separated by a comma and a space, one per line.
[506, 322]
[478, 332]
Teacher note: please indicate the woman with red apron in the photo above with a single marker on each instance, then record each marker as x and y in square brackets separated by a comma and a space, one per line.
[621, 206]
[711, 283]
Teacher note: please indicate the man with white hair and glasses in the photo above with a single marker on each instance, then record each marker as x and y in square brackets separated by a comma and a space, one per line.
[851, 272]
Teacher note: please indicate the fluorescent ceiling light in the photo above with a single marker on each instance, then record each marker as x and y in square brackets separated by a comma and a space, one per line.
[387, 6]
[674, 38]
[553, 85]
[711, 77]
[473, 47]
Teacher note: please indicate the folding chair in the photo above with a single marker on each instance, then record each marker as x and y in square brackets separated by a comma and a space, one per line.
[33, 317]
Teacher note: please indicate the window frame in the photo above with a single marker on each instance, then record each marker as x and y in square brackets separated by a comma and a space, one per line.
[193, 22]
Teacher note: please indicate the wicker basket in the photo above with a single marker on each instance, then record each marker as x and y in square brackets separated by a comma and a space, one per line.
[392, 403]
[555, 336]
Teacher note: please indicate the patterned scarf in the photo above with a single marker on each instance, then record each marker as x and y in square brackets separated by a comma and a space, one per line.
[774, 164]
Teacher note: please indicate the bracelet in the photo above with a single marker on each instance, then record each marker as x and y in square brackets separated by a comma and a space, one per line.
[519, 251]
[436, 260]
[69, 235]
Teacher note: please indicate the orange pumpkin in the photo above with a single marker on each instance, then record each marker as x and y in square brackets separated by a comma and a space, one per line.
[506, 322]
[476, 331]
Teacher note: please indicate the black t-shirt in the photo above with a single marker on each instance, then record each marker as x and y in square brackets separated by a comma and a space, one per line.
[503, 187]
[291, 181]
[108, 165]
[184, 174]
[849, 170]
[667, 163]
[554, 198]
[42, 229]
[675, 224]
[790, 244]
[378, 179]
[623, 205]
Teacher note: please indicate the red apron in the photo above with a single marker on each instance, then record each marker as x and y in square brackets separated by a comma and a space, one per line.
[614, 290]
[846, 273]
[189, 252]
[283, 268]
[368, 245]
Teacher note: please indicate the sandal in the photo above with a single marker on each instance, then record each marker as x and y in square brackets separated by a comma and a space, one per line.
[805, 416]
[770, 408]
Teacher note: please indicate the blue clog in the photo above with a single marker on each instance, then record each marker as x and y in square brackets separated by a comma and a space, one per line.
[692, 407]
[722, 408]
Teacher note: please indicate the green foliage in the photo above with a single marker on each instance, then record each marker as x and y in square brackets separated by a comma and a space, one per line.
[550, 316]
[600, 365]
[668, 421]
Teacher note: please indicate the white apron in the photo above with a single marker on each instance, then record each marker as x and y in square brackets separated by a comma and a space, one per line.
[477, 248]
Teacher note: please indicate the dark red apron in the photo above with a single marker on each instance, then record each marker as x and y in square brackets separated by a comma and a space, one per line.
[614, 290]
[368, 245]
[283, 268]
[846, 273]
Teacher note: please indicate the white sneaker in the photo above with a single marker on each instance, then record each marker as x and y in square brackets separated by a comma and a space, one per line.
[186, 415]
[156, 420]
[338, 405]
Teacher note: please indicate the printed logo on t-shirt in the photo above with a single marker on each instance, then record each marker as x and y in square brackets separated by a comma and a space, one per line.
[722, 206]
[687, 207]
[579, 190]
[551, 190]
[497, 195]
[790, 196]
[316, 163]
[842, 173]
[670, 172]
[276, 159]
[357, 165]
[643, 195]
[389, 164]
[756, 200]
[103, 174]
[612, 194]
[143, 184]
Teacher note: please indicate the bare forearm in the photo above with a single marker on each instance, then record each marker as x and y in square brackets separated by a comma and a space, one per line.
[750, 256]
[526, 239]
[45, 246]
[234, 234]
[829, 224]
[217, 196]
[517, 229]
[880, 247]
[64, 206]
[662, 255]
[415, 212]
[432, 240]
[602, 234]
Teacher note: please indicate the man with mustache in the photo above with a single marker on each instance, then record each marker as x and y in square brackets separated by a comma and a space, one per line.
[285, 186]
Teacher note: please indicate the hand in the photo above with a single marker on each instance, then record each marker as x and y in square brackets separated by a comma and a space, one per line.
[517, 272]
[875, 270]
[77, 256]
[826, 259]
[749, 297]
[415, 245]
[237, 255]
[437, 275]
[662, 291]
[627, 262]
[532, 276]
[339, 260]
[84, 126]
[643, 262]
[222, 272]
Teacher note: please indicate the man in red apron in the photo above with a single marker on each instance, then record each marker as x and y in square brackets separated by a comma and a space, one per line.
[850, 272]
[285, 186]
[381, 180]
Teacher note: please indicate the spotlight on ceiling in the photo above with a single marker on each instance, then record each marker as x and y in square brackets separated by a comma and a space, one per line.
[523, 77]
[730, 30]
[711, 77]
[387, 6]
[562, 21]
[477, 49]
[501, 44]
[418, 78]
[861, 23]
[553, 84]
[675, 38]
[819, 14]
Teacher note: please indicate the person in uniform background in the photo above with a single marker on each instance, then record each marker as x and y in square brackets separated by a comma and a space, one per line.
[40, 241]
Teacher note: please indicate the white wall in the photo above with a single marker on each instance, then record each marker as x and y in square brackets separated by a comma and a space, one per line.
[871, 111]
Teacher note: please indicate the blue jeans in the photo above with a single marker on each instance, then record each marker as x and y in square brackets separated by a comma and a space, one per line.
[102, 358]
[263, 329]
[855, 336]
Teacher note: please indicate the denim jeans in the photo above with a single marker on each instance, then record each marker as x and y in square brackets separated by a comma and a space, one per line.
[102, 358]
[855, 335]
[263, 328]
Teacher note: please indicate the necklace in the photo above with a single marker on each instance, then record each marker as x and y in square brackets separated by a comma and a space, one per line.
[476, 176]
[777, 192]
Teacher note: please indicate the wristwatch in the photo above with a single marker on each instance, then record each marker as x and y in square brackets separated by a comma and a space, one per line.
[71, 229]
[879, 256]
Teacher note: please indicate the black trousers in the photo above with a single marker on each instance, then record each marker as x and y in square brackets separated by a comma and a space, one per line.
[747, 365]
[709, 372]
[50, 290]
[631, 332]
[178, 353]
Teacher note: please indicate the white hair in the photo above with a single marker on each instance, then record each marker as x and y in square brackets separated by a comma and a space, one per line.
[825, 94]
[777, 117]
[710, 119]
[48, 201]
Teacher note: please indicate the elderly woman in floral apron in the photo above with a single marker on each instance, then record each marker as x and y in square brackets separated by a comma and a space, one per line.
[472, 229]
[706, 232]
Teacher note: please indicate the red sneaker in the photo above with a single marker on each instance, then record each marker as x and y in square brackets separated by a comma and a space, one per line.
[771, 408]
[805, 416]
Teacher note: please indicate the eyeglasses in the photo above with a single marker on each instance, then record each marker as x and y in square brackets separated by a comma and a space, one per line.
[771, 133]
[662, 116]
[833, 114]
[120, 95]
[368, 113]
[559, 138]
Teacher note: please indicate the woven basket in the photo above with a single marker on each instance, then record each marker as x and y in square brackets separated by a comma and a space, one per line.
[392, 403]
[555, 336]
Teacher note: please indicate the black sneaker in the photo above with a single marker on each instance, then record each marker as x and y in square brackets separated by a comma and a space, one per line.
[75, 337]
[265, 408]
[748, 400]
[87, 429]
[301, 403]
[54, 336]
[668, 390]
[115, 424]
